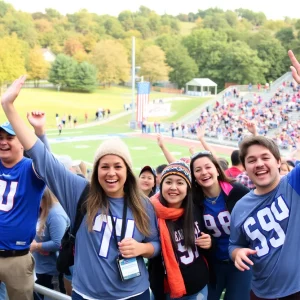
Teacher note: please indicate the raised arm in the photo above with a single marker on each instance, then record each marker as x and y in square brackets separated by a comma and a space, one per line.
[23, 132]
[200, 134]
[168, 155]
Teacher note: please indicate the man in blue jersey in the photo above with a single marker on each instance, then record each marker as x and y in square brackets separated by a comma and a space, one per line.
[265, 223]
[20, 194]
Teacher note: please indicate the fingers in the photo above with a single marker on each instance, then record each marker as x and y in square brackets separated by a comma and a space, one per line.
[296, 66]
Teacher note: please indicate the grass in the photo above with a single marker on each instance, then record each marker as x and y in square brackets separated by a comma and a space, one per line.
[77, 104]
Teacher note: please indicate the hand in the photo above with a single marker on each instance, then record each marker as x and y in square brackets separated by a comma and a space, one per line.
[129, 247]
[251, 125]
[241, 257]
[200, 132]
[37, 120]
[204, 241]
[34, 246]
[160, 140]
[192, 150]
[13, 91]
[296, 66]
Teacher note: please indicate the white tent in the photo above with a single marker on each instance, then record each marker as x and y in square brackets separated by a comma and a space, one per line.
[196, 87]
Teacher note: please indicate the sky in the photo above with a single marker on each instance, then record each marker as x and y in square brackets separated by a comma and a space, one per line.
[273, 9]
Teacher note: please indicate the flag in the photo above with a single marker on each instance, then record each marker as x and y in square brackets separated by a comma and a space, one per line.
[143, 91]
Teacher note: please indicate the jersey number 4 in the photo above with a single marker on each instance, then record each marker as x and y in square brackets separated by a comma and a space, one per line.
[7, 203]
[268, 219]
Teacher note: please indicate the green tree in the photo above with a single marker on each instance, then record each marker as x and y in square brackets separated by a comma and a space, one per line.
[285, 36]
[38, 68]
[85, 77]
[242, 65]
[62, 71]
[111, 60]
[153, 65]
[12, 62]
[184, 68]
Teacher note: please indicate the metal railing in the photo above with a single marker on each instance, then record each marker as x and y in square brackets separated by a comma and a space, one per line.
[50, 293]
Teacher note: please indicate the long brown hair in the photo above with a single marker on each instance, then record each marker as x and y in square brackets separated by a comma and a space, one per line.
[48, 200]
[197, 190]
[97, 199]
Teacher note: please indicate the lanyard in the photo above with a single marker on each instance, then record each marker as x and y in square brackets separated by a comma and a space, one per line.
[124, 222]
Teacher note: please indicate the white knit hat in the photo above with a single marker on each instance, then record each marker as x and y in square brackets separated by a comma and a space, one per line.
[114, 146]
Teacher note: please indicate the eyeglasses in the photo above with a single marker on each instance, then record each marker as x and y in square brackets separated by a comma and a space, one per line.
[200, 153]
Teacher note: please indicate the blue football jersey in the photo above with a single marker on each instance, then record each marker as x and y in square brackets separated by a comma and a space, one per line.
[270, 224]
[20, 195]
[217, 220]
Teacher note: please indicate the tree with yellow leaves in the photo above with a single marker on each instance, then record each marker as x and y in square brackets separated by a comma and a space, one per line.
[111, 60]
[38, 67]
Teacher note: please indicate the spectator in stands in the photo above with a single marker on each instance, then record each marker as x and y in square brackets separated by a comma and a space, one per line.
[237, 167]
[147, 181]
[51, 226]
[216, 194]
[245, 180]
[285, 167]
[223, 163]
[114, 199]
[159, 170]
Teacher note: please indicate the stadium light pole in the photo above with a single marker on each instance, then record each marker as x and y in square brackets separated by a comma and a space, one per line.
[133, 123]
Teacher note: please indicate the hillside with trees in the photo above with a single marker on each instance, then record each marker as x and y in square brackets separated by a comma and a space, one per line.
[238, 46]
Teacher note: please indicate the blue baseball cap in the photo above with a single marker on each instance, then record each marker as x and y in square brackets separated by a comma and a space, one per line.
[7, 128]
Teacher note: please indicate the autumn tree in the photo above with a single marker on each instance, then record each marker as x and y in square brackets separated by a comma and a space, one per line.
[12, 62]
[38, 67]
[72, 46]
[153, 64]
[111, 60]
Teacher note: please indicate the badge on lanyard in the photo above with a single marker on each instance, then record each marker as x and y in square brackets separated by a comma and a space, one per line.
[128, 267]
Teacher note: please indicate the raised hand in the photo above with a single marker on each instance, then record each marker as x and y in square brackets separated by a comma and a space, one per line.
[37, 120]
[296, 66]
[13, 91]
[251, 125]
[160, 140]
[200, 132]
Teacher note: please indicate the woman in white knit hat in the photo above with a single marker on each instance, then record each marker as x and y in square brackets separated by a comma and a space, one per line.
[119, 227]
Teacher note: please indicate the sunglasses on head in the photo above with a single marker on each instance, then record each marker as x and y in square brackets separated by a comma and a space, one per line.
[201, 153]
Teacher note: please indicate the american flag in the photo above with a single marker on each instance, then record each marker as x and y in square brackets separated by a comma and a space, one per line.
[143, 91]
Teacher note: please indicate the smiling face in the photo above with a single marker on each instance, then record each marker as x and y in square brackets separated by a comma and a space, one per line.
[112, 175]
[262, 168]
[11, 150]
[174, 190]
[146, 182]
[206, 173]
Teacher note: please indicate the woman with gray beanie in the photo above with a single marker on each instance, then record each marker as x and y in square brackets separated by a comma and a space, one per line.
[119, 228]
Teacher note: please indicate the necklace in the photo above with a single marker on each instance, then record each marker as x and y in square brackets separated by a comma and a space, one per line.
[214, 200]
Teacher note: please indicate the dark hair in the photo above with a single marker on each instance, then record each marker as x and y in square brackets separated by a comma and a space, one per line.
[197, 190]
[188, 219]
[223, 163]
[160, 168]
[290, 163]
[261, 141]
[235, 158]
